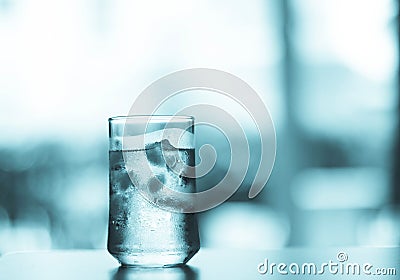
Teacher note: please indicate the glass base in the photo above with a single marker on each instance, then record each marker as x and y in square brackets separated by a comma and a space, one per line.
[157, 259]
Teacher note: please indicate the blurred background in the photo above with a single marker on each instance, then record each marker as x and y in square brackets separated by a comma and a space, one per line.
[327, 70]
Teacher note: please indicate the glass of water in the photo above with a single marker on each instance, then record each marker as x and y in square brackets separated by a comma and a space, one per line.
[150, 155]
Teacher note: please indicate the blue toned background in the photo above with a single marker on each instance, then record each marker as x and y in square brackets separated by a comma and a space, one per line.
[327, 70]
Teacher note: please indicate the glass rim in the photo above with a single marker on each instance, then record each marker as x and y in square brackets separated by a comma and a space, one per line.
[151, 118]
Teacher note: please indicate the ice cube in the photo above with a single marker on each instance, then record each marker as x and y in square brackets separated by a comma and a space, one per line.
[166, 145]
[156, 184]
[154, 154]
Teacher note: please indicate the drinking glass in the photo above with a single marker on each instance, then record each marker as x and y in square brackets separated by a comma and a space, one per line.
[150, 155]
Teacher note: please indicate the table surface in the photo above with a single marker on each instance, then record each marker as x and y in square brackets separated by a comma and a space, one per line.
[209, 264]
